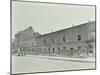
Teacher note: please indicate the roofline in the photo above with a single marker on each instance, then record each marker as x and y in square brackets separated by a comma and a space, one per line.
[67, 28]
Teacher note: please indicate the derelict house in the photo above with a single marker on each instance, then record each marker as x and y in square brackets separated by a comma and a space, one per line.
[75, 41]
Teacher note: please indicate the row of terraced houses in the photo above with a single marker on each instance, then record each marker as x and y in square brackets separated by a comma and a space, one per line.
[75, 41]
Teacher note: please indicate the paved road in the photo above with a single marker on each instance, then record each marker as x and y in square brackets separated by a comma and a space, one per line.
[26, 64]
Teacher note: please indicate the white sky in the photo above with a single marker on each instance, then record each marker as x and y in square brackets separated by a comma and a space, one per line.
[46, 17]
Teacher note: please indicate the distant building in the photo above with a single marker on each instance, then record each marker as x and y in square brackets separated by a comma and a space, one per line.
[25, 40]
[75, 41]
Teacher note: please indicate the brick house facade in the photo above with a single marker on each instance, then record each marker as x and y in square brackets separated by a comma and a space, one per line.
[73, 42]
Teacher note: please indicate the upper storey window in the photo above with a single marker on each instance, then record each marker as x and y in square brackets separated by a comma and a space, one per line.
[79, 37]
[92, 35]
[64, 39]
[53, 41]
[44, 42]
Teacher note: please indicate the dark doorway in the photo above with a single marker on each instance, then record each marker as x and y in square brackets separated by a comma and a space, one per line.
[71, 51]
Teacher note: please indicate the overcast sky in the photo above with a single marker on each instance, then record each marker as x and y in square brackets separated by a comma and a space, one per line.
[46, 17]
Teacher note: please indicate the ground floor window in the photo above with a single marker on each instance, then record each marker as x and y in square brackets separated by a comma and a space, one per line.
[33, 49]
[79, 47]
[38, 49]
[53, 50]
[64, 48]
[58, 50]
[44, 50]
[79, 50]
[90, 51]
[71, 51]
[49, 50]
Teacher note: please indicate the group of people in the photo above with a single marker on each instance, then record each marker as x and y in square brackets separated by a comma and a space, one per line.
[21, 52]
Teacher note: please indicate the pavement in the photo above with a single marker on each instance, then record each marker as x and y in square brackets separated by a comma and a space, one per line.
[40, 63]
[73, 59]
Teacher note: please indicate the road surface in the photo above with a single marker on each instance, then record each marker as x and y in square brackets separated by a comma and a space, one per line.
[29, 64]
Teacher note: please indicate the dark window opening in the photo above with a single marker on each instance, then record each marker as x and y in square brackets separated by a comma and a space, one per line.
[78, 37]
[90, 51]
[64, 48]
[53, 50]
[58, 50]
[71, 51]
[71, 48]
[64, 39]
[44, 42]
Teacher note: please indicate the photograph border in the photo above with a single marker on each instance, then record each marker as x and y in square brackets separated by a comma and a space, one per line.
[51, 3]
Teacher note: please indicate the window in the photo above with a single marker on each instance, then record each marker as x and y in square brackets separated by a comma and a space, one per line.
[71, 51]
[71, 48]
[33, 49]
[53, 50]
[64, 48]
[64, 39]
[78, 37]
[41, 50]
[49, 50]
[44, 42]
[90, 51]
[92, 35]
[53, 41]
[58, 50]
[79, 47]
[32, 44]
[91, 46]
